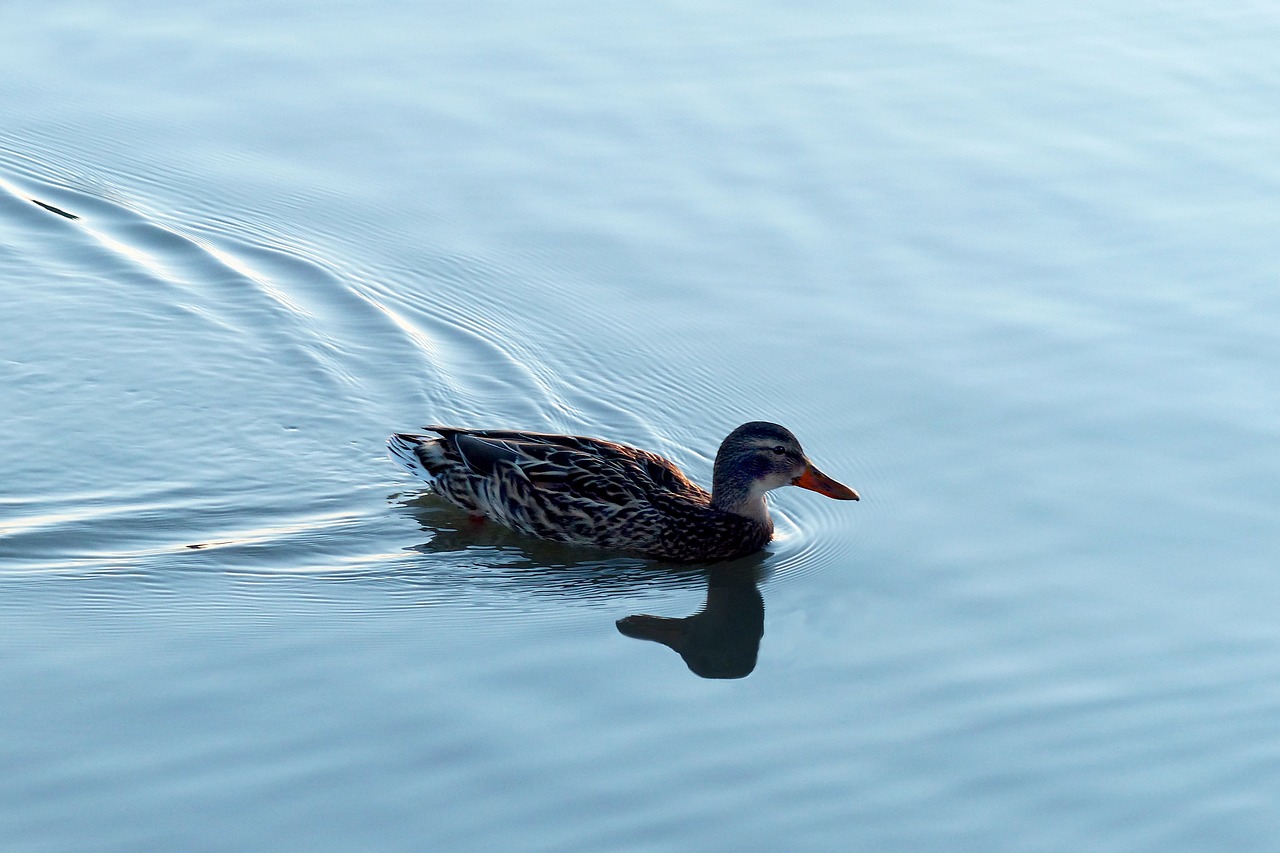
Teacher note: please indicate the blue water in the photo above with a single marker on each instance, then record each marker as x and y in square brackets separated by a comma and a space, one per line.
[1008, 271]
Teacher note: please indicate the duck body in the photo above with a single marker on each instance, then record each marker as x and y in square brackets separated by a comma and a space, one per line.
[589, 491]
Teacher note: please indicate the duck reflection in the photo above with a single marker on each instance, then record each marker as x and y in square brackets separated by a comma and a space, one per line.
[722, 640]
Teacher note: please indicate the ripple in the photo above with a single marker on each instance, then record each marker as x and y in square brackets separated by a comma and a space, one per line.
[452, 339]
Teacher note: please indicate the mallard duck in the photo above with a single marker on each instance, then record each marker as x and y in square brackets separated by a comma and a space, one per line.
[588, 491]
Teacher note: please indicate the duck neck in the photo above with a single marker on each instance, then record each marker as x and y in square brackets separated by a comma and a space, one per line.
[742, 499]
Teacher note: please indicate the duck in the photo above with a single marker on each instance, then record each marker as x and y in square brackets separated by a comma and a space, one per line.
[593, 492]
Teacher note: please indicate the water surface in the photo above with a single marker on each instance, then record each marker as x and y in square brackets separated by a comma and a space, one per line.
[1008, 272]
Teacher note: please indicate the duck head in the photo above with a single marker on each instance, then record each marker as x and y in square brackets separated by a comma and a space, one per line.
[758, 457]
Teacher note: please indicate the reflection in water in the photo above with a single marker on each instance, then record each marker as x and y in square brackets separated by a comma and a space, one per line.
[455, 532]
[722, 639]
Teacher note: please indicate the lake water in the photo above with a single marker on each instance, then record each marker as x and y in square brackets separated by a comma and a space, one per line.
[1012, 272]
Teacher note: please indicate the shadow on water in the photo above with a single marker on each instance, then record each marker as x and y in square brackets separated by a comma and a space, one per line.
[720, 640]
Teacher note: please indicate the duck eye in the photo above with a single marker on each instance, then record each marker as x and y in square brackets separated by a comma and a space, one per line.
[780, 450]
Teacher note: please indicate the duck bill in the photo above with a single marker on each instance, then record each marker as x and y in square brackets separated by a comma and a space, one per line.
[816, 481]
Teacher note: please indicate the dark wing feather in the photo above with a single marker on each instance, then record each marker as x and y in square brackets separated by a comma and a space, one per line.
[481, 454]
[662, 473]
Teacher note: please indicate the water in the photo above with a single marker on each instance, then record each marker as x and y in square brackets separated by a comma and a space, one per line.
[1009, 272]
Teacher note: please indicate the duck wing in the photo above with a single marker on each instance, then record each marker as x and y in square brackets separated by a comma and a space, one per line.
[596, 468]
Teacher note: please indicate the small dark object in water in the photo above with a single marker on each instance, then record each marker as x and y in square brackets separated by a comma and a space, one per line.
[53, 209]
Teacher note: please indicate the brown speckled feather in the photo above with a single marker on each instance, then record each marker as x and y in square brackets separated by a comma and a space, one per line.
[580, 490]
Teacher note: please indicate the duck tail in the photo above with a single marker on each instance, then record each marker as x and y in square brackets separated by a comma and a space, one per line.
[412, 453]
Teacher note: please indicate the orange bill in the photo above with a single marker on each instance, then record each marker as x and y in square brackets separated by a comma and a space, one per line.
[816, 481]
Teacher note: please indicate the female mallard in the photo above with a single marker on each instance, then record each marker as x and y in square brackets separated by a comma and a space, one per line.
[587, 491]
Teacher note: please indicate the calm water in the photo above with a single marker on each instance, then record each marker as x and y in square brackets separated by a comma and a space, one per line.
[1011, 272]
